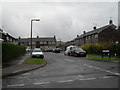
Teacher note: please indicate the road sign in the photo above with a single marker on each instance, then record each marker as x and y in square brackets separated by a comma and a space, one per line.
[105, 51]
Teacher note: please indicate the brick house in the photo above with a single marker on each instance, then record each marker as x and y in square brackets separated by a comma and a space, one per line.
[39, 42]
[105, 34]
[118, 33]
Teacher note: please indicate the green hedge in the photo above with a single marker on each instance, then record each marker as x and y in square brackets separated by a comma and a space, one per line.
[11, 51]
[97, 48]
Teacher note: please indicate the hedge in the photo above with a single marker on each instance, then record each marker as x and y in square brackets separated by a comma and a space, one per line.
[97, 48]
[11, 51]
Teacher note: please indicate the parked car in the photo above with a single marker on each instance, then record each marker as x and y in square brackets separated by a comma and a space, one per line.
[56, 50]
[78, 52]
[37, 52]
[50, 49]
[28, 49]
[69, 49]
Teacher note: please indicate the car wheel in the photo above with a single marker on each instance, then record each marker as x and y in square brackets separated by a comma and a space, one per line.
[75, 55]
[68, 54]
[85, 55]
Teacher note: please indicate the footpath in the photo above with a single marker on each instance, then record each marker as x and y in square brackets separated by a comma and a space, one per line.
[18, 67]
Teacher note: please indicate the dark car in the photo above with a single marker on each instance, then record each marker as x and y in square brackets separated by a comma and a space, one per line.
[56, 50]
[78, 52]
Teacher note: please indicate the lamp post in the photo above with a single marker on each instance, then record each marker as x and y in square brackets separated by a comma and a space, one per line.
[31, 32]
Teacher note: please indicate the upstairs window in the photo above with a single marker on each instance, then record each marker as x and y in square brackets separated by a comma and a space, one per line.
[96, 35]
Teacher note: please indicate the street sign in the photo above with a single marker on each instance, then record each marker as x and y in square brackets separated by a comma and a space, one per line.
[105, 51]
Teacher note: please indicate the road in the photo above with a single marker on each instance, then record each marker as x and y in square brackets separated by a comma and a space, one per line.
[67, 72]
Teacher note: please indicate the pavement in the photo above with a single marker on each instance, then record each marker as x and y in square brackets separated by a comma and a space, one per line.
[17, 66]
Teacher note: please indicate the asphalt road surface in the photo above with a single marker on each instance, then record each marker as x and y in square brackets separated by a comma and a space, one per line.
[67, 72]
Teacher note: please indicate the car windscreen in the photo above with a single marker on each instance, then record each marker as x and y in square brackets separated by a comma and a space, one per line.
[79, 49]
[37, 51]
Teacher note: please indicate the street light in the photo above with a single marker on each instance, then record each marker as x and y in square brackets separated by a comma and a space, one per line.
[31, 32]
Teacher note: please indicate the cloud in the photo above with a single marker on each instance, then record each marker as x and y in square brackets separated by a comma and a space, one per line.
[65, 20]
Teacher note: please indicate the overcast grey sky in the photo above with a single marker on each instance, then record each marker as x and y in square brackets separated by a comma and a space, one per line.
[65, 20]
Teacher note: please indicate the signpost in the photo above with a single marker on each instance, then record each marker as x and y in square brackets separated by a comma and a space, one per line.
[106, 51]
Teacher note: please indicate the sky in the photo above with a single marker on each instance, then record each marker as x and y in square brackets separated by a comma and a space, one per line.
[63, 19]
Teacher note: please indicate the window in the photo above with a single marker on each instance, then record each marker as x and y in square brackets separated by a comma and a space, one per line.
[45, 42]
[53, 42]
[49, 42]
[96, 35]
[33, 43]
[22, 42]
[41, 42]
[7, 38]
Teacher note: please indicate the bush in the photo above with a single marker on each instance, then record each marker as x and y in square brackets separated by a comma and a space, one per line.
[97, 48]
[11, 51]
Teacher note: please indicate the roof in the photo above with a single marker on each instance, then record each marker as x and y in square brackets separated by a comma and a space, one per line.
[38, 39]
[98, 30]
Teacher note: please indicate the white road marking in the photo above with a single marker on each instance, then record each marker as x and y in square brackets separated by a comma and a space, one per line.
[22, 77]
[41, 83]
[102, 70]
[17, 85]
[66, 81]
[69, 60]
[106, 77]
[25, 73]
[21, 62]
[17, 71]
[88, 79]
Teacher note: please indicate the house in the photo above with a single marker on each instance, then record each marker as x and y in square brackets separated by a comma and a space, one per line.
[105, 34]
[5, 37]
[38, 42]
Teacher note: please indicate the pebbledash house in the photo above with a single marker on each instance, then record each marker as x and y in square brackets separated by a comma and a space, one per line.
[38, 42]
[105, 34]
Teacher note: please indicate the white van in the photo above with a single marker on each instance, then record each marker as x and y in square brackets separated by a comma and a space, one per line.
[69, 49]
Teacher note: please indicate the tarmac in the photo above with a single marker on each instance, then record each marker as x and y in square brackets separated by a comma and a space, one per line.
[17, 66]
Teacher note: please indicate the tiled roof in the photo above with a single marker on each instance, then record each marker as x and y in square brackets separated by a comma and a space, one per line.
[38, 39]
[98, 30]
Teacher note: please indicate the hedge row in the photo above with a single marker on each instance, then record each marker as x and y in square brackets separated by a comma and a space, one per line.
[11, 51]
[97, 48]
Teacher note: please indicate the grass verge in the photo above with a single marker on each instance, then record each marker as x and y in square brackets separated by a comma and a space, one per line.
[35, 61]
[102, 59]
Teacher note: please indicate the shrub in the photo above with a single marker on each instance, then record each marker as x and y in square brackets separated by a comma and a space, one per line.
[11, 51]
[97, 48]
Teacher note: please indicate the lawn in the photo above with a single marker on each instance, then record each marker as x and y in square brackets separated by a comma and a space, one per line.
[35, 61]
[102, 59]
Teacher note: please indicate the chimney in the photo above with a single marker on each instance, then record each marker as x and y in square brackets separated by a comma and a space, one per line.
[37, 36]
[110, 21]
[94, 27]
[54, 36]
[77, 35]
[84, 32]
[19, 38]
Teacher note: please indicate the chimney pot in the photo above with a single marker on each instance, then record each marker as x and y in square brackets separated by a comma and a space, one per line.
[110, 22]
[84, 32]
[94, 27]
[37, 36]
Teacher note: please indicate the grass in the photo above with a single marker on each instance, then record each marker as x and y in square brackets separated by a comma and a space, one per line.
[102, 59]
[35, 61]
